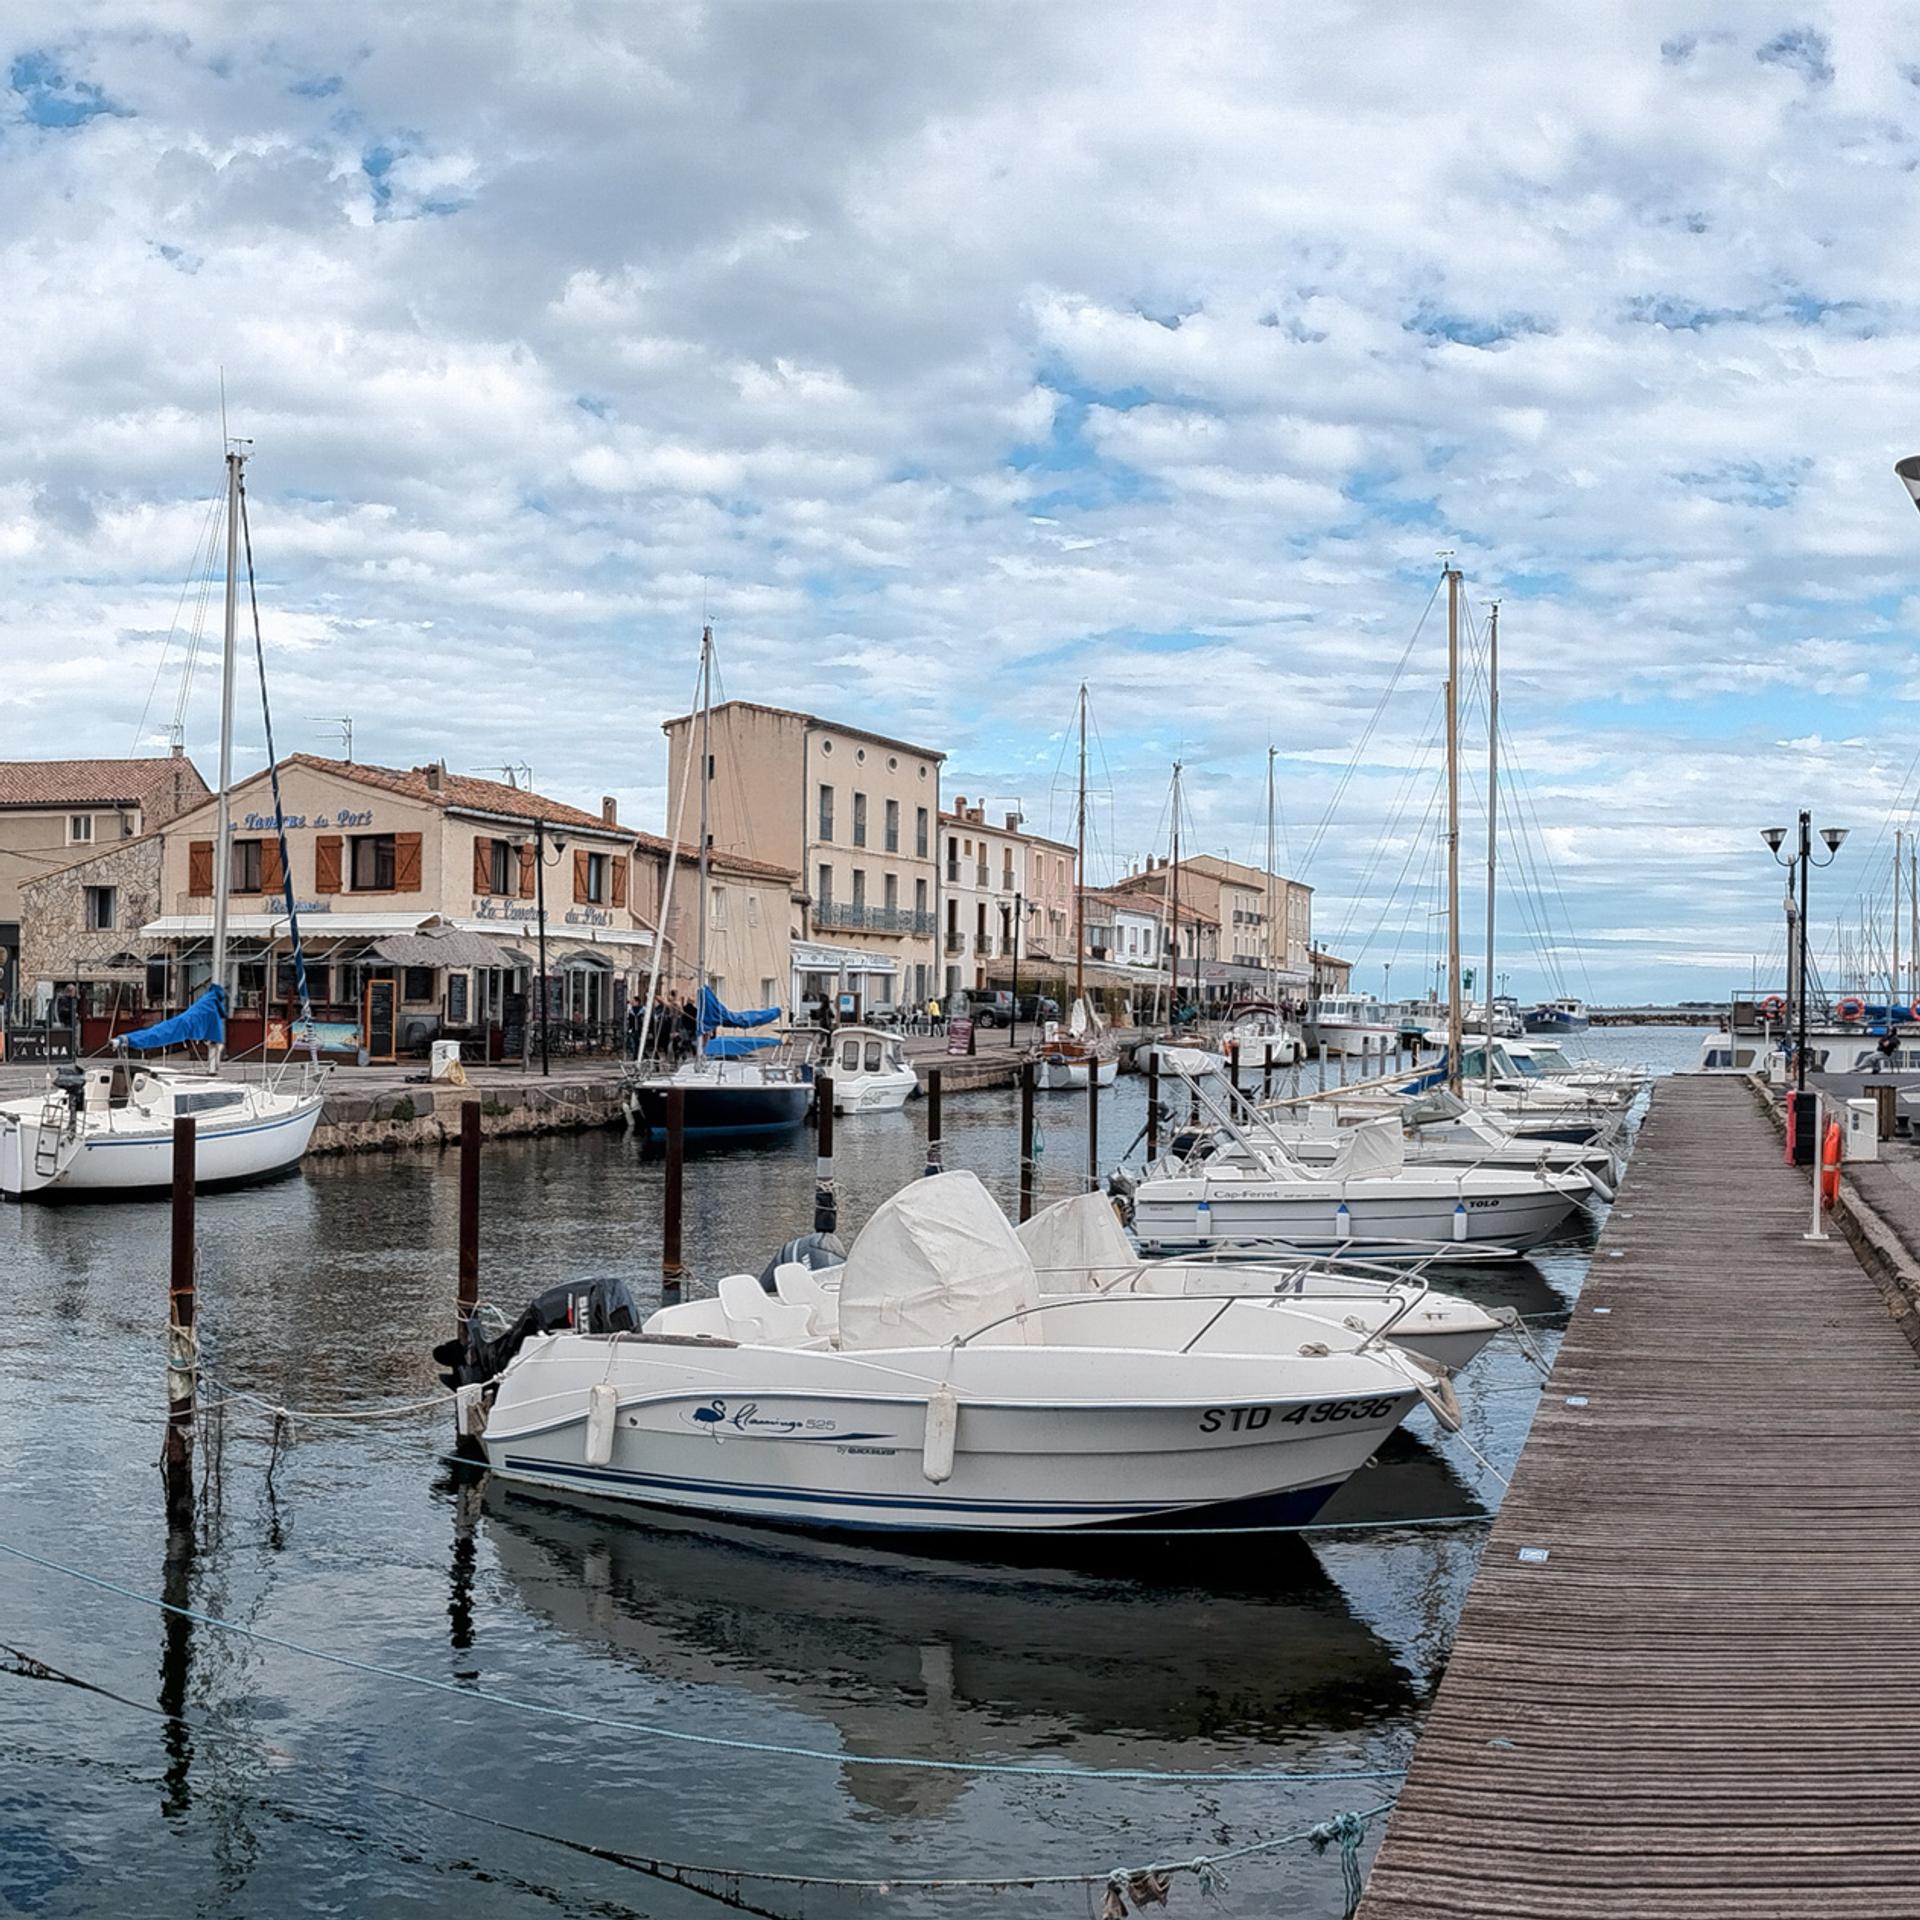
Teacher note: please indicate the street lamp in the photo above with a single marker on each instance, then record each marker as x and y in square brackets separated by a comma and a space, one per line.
[1909, 474]
[1803, 861]
[540, 906]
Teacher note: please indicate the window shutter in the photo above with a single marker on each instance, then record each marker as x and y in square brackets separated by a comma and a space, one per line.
[327, 849]
[406, 863]
[272, 874]
[483, 866]
[526, 873]
[620, 880]
[200, 867]
[579, 874]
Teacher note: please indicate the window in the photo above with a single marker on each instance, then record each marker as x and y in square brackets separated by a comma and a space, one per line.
[244, 873]
[859, 888]
[823, 888]
[769, 992]
[859, 819]
[372, 862]
[416, 985]
[598, 883]
[753, 914]
[890, 892]
[893, 826]
[79, 829]
[500, 867]
[920, 831]
[1006, 869]
[953, 861]
[826, 813]
[286, 982]
[101, 903]
[919, 896]
[717, 906]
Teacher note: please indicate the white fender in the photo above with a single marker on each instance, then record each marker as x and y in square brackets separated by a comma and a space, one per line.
[943, 1426]
[470, 1410]
[603, 1401]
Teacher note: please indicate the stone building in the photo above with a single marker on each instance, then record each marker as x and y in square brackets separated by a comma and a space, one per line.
[1262, 921]
[853, 813]
[1005, 893]
[751, 910]
[81, 933]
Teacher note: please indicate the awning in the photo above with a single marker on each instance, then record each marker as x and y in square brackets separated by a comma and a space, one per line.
[444, 947]
[313, 926]
[811, 957]
[558, 929]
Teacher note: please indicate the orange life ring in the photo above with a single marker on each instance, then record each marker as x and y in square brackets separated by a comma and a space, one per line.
[1850, 1009]
[1773, 1008]
[1830, 1165]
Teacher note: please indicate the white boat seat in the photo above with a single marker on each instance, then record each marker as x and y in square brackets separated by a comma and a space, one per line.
[799, 1286]
[690, 1319]
[755, 1316]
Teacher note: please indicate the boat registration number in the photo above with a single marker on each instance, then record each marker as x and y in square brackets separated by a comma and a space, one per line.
[1252, 1419]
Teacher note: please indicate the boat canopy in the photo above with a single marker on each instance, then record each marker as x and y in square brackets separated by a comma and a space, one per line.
[714, 1015]
[1372, 1150]
[204, 1021]
[936, 1262]
[736, 1046]
[1078, 1245]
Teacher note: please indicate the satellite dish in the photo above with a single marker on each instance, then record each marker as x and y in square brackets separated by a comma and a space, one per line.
[1909, 472]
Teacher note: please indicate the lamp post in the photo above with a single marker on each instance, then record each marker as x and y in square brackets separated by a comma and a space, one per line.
[1013, 1012]
[540, 907]
[1801, 862]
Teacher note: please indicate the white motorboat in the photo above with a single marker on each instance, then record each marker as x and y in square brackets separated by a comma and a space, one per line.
[1368, 1194]
[1082, 1053]
[945, 1392]
[1564, 1015]
[1263, 1036]
[869, 1069]
[109, 1129]
[1352, 1024]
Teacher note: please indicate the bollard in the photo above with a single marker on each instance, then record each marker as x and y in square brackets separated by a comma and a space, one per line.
[1266, 1071]
[183, 1376]
[469, 1285]
[1153, 1104]
[1026, 1140]
[933, 1120]
[1093, 1126]
[1818, 1231]
[1323, 1066]
[670, 1267]
[826, 1208]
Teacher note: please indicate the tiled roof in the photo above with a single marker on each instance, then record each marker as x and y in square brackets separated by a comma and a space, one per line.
[160, 785]
[460, 791]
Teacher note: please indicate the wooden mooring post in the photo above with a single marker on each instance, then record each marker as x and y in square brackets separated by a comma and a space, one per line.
[1266, 1070]
[183, 1368]
[1093, 1126]
[670, 1266]
[1026, 1139]
[934, 1148]
[469, 1282]
[826, 1204]
[1153, 1104]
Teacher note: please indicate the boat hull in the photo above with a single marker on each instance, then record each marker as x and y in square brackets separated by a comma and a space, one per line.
[139, 1160]
[1554, 1021]
[874, 1093]
[1353, 1041]
[729, 1111]
[1307, 1215]
[1061, 1076]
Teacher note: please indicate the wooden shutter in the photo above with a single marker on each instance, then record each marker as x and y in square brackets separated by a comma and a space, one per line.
[579, 874]
[526, 873]
[200, 866]
[483, 866]
[406, 863]
[619, 879]
[327, 850]
[272, 874]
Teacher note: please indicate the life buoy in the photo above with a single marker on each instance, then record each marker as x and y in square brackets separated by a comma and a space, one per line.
[1850, 1009]
[1773, 1008]
[1830, 1165]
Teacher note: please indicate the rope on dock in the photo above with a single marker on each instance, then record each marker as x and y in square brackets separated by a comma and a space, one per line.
[1143, 1886]
[681, 1736]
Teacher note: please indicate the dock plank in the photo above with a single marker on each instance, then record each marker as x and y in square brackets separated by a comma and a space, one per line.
[1701, 1704]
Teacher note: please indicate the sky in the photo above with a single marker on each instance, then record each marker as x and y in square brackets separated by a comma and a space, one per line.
[944, 356]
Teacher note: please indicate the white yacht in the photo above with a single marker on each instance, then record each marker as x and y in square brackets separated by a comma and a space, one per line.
[869, 1070]
[1353, 1024]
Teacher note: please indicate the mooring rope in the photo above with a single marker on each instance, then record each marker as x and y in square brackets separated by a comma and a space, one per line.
[1201, 1776]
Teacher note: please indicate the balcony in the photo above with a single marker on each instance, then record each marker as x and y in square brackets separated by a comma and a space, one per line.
[956, 941]
[863, 919]
[983, 945]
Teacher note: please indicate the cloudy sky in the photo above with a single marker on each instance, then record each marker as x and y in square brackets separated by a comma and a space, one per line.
[944, 355]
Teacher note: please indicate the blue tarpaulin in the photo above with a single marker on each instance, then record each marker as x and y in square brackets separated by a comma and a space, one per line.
[205, 1021]
[735, 1046]
[714, 1015]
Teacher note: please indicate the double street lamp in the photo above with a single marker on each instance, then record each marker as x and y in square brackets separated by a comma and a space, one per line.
[1801, 860]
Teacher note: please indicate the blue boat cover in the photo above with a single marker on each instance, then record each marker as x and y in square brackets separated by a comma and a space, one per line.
[714, 1015]
[735, 1046]
[205, 1020]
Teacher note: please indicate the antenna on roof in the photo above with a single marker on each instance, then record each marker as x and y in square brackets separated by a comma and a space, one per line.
[342, 724]
[516, 776]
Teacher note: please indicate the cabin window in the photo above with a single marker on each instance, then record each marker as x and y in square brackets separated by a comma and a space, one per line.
[850, 1055]
[372, 862]
[873, 1056]
[102, 907]
[243, 869]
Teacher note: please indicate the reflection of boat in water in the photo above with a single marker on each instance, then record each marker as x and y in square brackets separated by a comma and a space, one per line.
[930, 1657]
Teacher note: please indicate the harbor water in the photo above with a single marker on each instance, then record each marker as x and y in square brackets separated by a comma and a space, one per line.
[736, 1699]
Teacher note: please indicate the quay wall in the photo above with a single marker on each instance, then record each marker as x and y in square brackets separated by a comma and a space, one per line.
[415, 1117]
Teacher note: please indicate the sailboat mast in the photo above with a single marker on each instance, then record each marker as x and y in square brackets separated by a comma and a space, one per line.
[1493, 813]
[1893, 963]
[1080, 863]
[1453, 829]
[223, 814]
[706, 780]
[1273, 975]
[1173, 957]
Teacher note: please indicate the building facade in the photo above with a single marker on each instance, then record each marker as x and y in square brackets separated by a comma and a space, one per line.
[854, 814]
[750, 912]
[54, 812]
[1261, 921]
[1005, 894]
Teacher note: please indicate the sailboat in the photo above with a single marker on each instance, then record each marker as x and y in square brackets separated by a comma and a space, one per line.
[108, 1128]
[1079, 1055]
[740, 1084]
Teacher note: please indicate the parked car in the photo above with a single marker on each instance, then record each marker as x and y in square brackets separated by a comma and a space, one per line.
[994, 1007]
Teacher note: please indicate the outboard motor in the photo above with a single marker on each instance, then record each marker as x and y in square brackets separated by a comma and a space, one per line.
[71, 1080]
[814, 1251]
[585, 1306]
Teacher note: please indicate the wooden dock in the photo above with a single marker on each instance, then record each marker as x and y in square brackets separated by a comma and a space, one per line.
[1682, 1684]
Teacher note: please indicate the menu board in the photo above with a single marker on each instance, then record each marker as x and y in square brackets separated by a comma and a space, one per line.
[377, 1018]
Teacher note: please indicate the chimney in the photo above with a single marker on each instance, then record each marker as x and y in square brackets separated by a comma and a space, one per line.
[609, 810]
[960, 805]
[1013, 822]
[437, 777]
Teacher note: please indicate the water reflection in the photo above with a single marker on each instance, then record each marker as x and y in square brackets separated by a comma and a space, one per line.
[932, 1655]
